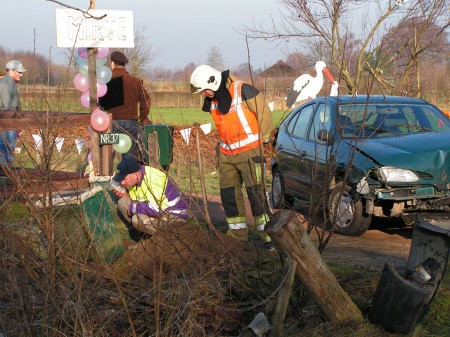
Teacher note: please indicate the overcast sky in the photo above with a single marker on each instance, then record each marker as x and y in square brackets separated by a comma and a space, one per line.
[179, 31]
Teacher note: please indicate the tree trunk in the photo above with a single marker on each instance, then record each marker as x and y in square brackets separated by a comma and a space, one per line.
[287, 230]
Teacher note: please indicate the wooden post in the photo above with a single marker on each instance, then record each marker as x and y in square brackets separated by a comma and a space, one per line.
[95, 147]
[202, 181]
[202, 176]
[287, 231]
[106, 154]
[92, 73]
[153, 149]
[281, 307]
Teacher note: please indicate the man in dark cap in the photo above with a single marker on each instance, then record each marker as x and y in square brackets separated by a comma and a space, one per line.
[119, 58]
[149, 199]
[126, 99]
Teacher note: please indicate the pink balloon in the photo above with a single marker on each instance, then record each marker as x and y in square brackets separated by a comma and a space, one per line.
[99, 120]
[102, 52]
[85, 100]
[101, 88]
[83, 52]
[81, 82]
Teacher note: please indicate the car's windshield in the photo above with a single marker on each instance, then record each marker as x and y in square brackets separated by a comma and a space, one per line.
[384, 120]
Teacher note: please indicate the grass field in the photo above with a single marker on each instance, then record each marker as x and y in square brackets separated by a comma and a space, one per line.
[189, 116]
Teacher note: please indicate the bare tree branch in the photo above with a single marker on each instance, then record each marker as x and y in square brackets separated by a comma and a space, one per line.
[85, 13]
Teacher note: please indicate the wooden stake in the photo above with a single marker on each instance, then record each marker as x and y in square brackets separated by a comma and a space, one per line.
[281, 307]
[202, 181]
[287, 231]
[95, 147]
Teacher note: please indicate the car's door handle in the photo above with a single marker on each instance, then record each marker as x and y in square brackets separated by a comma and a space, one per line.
[303, 153]
[280, 147]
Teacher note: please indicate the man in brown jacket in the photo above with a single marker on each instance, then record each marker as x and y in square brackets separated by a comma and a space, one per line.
[126, 99]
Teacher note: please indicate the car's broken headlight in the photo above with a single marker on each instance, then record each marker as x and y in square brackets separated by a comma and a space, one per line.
[390, 174]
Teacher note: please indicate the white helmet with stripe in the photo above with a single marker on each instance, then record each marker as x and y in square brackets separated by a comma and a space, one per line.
[205, 77]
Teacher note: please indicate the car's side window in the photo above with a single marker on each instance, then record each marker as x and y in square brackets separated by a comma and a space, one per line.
[301, 125]
[322, 120]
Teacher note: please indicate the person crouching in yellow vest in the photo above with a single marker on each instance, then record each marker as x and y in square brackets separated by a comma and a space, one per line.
[149, 198]
[244, 122]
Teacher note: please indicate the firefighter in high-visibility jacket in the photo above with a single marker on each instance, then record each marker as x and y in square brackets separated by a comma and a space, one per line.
[244, 122]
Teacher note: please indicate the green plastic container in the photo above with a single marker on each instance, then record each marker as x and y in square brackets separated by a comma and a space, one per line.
[88, 226]
[165, 142]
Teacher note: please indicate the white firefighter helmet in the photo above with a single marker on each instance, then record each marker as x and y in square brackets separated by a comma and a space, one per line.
[205, 77]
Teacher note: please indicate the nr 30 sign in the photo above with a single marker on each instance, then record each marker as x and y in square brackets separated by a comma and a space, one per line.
[109, 138]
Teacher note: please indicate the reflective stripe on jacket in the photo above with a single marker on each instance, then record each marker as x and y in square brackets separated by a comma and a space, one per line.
[157, 194]
[238, 129]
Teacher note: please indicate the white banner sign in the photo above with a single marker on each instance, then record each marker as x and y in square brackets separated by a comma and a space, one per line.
[113, 30]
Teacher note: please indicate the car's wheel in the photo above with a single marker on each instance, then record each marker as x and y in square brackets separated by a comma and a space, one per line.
[347, 214]
[279, 198]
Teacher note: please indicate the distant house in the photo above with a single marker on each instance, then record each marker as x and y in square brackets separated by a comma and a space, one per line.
[277, 79]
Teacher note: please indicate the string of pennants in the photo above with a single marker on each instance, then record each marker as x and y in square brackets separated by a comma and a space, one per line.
[186, 133]
[80, 142]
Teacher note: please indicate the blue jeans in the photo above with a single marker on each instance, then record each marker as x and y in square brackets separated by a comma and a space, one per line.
[8, 142]
[130, 128]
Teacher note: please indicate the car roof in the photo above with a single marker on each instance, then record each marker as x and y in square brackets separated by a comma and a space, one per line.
[360, 99]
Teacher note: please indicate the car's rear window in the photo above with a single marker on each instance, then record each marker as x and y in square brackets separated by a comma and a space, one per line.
[381, 120]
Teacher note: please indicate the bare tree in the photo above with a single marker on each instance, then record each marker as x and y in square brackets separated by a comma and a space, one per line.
[326, 29]
[243, 71]
[141, 55]
[215, 58]
[413, 46]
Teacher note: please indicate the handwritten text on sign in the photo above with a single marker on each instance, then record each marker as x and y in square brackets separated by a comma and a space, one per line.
[109, 138]
[114, 30]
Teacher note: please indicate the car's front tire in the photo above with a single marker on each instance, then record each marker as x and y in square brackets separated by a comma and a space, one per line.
[279, 198]
[347, 214]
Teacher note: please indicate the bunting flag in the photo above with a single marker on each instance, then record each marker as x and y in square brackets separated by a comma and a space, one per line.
[206, 128]
[186, 134]
[59, 143]
[79, 143]
[271, 105]
[37, 141]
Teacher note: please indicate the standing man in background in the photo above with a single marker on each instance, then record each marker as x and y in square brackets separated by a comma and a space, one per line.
[244, 121]
[126, 99]
[9, 100]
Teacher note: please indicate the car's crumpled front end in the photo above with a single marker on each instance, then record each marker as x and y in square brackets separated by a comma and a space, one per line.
[396, 182]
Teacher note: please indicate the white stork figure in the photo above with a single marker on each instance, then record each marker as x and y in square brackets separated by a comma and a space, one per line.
[307, 87]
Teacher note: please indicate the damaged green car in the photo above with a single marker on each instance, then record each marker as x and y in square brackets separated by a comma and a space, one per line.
[360, 157]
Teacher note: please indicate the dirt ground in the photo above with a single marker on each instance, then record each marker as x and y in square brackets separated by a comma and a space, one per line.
[385, 241]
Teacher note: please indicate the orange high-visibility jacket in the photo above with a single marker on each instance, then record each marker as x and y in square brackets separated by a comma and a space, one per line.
[238, 129]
